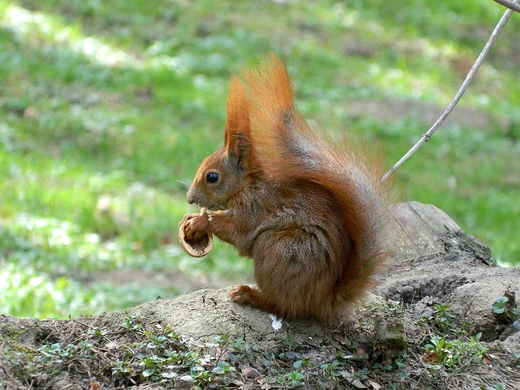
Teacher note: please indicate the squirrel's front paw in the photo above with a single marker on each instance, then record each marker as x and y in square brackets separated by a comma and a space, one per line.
[241, 294]
[196, 227]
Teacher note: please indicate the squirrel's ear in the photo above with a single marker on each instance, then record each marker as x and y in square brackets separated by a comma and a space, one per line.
[237, 133]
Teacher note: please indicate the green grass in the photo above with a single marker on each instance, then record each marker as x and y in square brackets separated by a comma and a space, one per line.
[106, 108]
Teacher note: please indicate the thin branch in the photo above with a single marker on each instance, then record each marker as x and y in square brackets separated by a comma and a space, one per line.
[511, 5]
[462, 89]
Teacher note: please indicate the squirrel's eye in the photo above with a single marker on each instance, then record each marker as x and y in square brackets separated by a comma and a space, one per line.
[212, 177]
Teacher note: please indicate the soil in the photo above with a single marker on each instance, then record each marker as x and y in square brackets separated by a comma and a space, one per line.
[443, 316]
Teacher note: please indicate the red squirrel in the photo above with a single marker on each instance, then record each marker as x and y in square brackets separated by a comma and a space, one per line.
[307, 210]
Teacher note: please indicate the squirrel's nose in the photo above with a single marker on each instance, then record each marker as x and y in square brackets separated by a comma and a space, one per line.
[190, 196]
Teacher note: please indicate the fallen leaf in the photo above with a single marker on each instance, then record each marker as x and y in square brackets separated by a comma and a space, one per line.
[431, 358]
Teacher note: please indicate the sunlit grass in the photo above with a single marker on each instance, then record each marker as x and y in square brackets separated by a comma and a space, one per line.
[105, 113]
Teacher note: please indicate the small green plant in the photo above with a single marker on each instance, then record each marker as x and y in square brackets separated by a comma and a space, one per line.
[504, 309]
[398, 366]
[441, 318]
[516, 360]
[362, 373]
[442, 353]
[395, 307]
[132, 323]
[291, 379]
[222, 368]
[200, 376]
[499, 306]
[401, 368]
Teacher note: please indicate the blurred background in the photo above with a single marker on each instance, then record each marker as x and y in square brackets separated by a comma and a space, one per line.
[108, 107]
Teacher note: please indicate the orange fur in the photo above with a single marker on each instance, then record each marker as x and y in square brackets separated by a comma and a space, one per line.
[309, 212]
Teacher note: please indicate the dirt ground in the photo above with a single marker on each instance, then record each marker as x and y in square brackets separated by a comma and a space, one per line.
[443, 316]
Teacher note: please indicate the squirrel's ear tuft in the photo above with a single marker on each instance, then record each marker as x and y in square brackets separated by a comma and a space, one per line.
[237, 130]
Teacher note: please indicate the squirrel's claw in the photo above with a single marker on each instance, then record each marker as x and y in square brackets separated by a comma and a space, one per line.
[241, 294]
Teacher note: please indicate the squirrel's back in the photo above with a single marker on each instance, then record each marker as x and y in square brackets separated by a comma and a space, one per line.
[289, 151]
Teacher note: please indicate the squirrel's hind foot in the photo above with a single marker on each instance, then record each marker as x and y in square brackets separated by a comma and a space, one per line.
[243, 294]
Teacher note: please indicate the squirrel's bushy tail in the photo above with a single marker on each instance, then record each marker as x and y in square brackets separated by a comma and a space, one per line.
[287, 148]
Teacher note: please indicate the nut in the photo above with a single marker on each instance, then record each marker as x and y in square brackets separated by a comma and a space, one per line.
[197, 248]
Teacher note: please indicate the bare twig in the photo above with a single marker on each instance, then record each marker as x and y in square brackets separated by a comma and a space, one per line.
[511, 5]
[460, 92]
